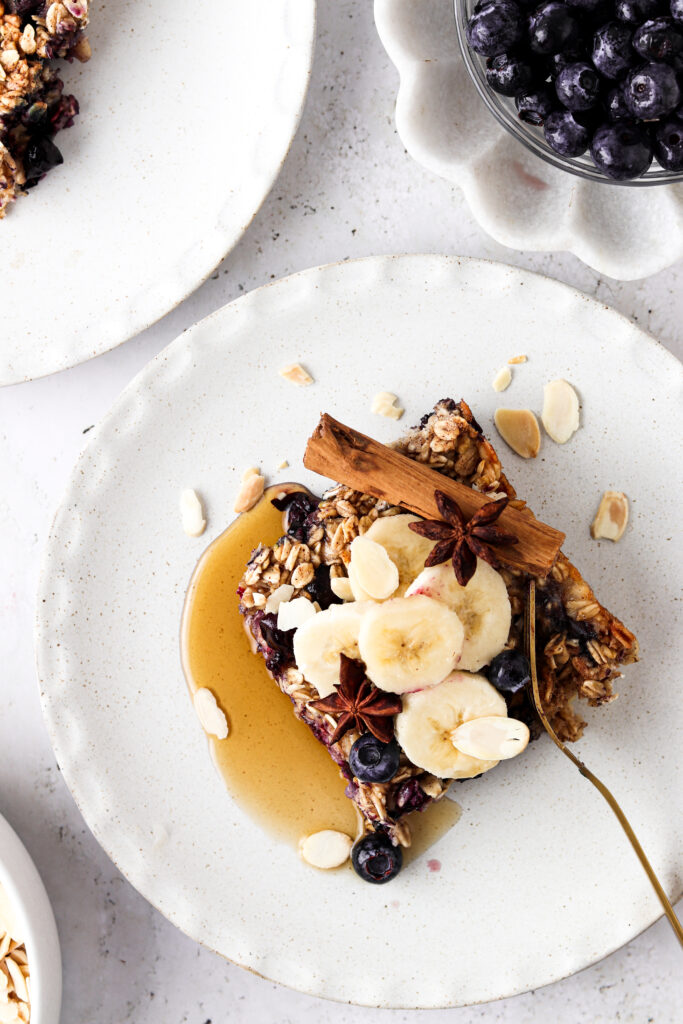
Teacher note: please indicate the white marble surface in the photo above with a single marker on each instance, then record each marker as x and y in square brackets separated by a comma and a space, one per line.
[347, 189]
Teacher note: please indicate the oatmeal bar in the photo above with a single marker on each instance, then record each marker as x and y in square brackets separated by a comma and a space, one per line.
[581, 645]
[33, 107]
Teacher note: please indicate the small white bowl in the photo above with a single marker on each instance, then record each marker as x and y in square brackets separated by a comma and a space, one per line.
[26, 893]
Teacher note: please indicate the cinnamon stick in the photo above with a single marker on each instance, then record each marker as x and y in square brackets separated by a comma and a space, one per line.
[345, 455]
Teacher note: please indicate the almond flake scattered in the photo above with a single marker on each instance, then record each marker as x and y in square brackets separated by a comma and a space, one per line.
[517, 359]
[279, 595]
[251, 490]
[491, 738]
[292, 614]
[386, 404]
[327, 849]
[611, 518]
[519, 429]
[209, 714]
[296, 374]
[502, 379]
[192, 513]
[283, 465]
[341, 587]
[560, 415]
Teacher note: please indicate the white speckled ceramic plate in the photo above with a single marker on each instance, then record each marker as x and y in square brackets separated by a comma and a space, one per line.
[517, 198]
[186, 116]
[537, 880]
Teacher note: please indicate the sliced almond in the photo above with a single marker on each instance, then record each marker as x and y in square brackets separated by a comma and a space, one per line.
[18, 979]
[611, 518]
[209, 714]
[519, 429]
[502, 379]
[326, 849]
[341, 587]
[283, 465]
[251, 490]
[292, 614]
[517, 359]
[386, 404]
[296, 374]
[192, 513]
[492, 738]
[560, 414]
[282, 593]
[374, 571]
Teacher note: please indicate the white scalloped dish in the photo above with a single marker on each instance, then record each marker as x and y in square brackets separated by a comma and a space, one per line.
[187, 114]
[536, 879]
[521, 201]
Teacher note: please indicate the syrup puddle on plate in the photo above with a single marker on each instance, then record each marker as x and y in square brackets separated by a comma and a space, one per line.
[271, 763]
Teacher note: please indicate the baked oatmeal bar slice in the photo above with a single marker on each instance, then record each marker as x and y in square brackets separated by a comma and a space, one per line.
[581, 645]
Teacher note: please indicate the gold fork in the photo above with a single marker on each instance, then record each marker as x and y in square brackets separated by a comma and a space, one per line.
[530, 646]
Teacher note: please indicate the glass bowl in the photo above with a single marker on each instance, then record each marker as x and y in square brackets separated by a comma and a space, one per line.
[504, 110]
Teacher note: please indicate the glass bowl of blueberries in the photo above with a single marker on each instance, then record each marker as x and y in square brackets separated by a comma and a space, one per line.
[594, 87]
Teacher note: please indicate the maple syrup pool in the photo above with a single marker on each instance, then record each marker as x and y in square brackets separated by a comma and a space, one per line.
[271, 763]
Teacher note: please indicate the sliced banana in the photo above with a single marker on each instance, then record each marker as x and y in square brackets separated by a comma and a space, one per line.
[407, 550]
[319, 642]
[409, 642]
[356, 590]
[425, 726]
[491, 737]
[483, 607]
[373, 569]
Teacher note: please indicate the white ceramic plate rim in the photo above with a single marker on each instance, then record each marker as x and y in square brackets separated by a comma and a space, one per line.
[48, 661]
[144, 309]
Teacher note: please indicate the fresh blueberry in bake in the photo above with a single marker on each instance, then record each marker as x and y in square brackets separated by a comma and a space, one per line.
[535, 105]
[40, 156]
[297, 506]
[376, 859]
[612, 52]
[616, 106]
[22, 6]
[411, 796]
[652, 91]
[621, 150]
[578, 86]
[320, 590]
[668, 144]
[371, 760]
[676, 9]
[509, 671]
[279, 643]
[564, 134]
[495, 27]
[509, 74]
[635, 12]
[553, 27]
[659, 39]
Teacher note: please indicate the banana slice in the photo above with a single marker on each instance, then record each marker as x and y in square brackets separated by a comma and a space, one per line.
[429, 718]
[409, 642]
[407, 550]
[322, 638]
[373, 570]
[483, 607]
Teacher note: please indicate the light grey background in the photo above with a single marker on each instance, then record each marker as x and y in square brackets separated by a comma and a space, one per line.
[347, 189]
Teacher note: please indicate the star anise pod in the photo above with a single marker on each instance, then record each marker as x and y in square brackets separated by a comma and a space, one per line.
[461, 541]
[361, 704]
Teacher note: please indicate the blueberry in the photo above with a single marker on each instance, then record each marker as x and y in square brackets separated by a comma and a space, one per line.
[279, 643]
[578, 87]
[509, 671]
[40, 156]
[621, 150]
[535, 105]
[668, 144]
[508, 74]
[635, 12]
[652, 91]
[677, 10]
[564, 134]
[612, 52]
[371, 760]
[659, 39]
[22, 6]
[496, 27]
[376, 859]
[319, 588]
[616, 106]
[558, 61]
[297, 506]
[553, 27]
[411, 796]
